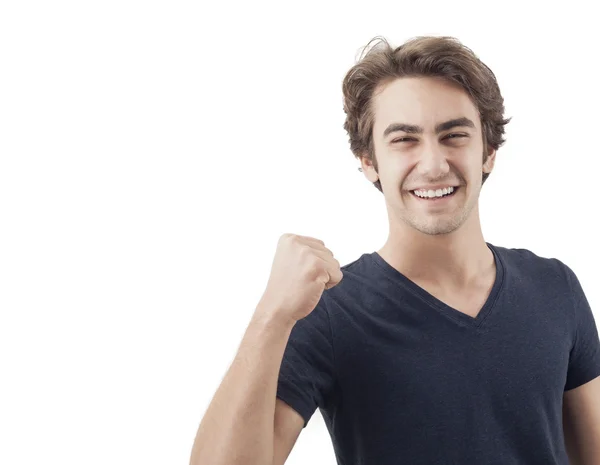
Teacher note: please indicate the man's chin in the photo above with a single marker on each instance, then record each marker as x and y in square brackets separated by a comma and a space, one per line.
[436, 231]
[436, 227]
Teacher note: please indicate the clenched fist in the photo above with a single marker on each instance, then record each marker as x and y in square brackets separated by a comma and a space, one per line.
[302, 269]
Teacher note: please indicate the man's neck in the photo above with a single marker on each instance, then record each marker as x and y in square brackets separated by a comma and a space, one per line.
[454, 261]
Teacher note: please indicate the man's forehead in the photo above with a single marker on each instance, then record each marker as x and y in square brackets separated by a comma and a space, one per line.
[424, 102]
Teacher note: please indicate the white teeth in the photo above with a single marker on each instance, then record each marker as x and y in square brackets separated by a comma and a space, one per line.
[431, 193]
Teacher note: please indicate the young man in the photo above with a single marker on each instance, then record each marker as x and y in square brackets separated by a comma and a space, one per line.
[439, 348]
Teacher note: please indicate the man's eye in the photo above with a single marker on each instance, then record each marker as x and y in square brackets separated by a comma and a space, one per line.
[449, 136]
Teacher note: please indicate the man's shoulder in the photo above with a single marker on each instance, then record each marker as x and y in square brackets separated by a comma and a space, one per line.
[526, 262]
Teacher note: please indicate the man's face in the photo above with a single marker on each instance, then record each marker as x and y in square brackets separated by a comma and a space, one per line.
[428, 161]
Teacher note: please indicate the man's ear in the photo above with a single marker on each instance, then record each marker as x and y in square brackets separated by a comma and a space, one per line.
[488, 166]
[368, 169]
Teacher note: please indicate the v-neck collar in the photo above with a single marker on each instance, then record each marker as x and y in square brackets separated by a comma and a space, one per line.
[462, 318]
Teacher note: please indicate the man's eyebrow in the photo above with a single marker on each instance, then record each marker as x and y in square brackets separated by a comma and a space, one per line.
[414, 129]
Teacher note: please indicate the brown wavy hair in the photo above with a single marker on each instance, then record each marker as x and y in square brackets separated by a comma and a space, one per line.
[421, 56]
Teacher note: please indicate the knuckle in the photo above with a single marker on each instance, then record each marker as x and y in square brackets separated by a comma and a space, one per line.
[305, 250]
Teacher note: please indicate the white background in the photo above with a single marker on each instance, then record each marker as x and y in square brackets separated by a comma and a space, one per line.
[153, 152]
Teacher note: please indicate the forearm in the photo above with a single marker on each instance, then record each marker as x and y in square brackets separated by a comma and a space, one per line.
[238, 426]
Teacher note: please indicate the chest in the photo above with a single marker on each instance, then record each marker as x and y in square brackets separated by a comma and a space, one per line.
[414, 362]
[447, 385]
[469, 301]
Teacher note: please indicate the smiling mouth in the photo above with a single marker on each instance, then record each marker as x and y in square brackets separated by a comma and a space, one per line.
[436, 198]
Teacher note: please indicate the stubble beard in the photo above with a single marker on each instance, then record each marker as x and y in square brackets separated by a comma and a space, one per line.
[436, 224]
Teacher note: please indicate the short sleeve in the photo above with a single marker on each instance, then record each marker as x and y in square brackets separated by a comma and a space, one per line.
[306, 376]
[584, 358]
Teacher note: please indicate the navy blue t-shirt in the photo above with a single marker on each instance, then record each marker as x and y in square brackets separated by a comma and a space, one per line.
[402, 378]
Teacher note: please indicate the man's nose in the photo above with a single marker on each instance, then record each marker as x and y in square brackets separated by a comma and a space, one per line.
[432, 162]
